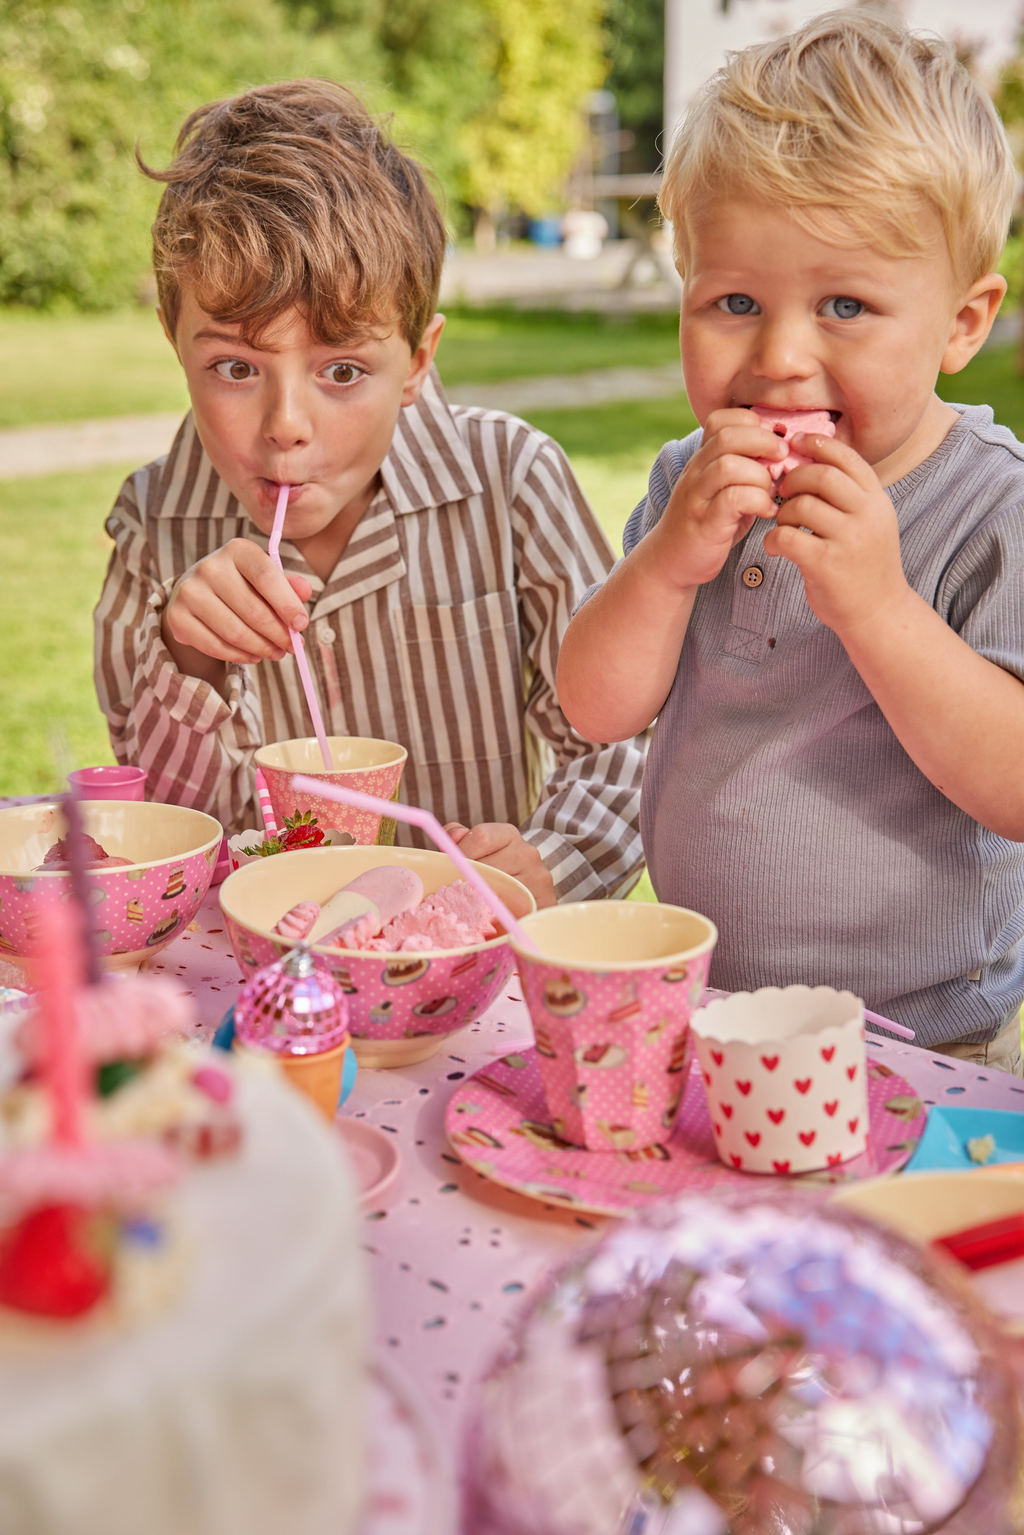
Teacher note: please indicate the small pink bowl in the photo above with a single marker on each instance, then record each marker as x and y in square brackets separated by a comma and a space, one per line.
[137, 908]
[114, 782]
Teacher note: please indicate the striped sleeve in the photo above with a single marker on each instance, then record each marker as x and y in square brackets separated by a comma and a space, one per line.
[586, 824]
[195, 745]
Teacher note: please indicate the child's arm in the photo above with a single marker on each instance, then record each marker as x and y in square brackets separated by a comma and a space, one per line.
[195, 740]
[621, 651]
[959, 717]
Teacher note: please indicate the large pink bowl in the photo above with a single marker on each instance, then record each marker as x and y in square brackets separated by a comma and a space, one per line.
[137, 909]
[402, 1006]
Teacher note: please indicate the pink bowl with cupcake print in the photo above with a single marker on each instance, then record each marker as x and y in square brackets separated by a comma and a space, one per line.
[371, 767]
[610, 995]
[166, 856]
[402, 1006]
[785, 1075]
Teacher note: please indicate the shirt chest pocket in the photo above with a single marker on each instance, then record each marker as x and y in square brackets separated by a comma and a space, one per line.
[462, 675]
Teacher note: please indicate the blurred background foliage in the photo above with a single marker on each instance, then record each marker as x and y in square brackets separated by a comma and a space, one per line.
[488, 92]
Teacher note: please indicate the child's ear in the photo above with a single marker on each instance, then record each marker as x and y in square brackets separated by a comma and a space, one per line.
[422, 358]
[978, 309]
[167, 331]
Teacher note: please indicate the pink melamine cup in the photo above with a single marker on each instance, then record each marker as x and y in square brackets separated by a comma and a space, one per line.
[114, 782]
[610, 993]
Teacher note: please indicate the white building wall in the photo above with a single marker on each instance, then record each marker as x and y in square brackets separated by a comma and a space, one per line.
[698, 33]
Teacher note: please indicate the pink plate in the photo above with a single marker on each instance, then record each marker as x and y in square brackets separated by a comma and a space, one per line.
[374, 1156]
[498, 1122]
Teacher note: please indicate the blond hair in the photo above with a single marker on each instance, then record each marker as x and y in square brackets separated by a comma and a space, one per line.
[293, 195]
[855, 124]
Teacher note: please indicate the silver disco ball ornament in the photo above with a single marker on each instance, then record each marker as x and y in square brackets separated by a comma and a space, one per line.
[748, 1364]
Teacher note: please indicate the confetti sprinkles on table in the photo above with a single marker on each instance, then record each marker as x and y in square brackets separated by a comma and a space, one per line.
[498, 1122]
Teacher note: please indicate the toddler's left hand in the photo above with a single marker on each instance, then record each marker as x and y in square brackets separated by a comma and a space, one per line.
[850, 559]
[504, 847]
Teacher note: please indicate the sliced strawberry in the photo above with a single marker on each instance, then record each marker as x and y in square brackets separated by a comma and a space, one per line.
[49, 1263]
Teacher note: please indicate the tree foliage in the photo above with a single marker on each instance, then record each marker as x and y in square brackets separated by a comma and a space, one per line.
[487, 92]
[635, 31]
[544, 59]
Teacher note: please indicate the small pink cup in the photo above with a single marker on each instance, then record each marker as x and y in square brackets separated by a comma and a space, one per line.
[610, 995]
[114, 782]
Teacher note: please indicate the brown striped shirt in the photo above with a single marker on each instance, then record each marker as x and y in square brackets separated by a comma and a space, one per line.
[439, 628]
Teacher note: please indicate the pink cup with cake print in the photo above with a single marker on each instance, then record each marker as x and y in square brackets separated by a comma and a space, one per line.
[371, 767]
[784, 1071]
[610, 994]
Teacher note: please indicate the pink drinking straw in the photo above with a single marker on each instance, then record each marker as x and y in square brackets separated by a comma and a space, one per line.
[267, 809]
[298, 646]
[887, 1023]
[63, 1069]
[412, 815]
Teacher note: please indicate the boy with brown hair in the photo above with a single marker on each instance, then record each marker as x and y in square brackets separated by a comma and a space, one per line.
[838, 671]
[439, 550]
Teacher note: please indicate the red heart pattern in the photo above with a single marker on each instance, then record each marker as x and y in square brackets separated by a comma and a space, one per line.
[827, 1054]
[807, 1136]
[776, 1116]
[781, 1167]
[753, 1136]
[769, 1062]
[707, 1077]
[735, 1160]
[744, 1087]
[726, 1109]
[830, 1108]
[804, 1086]
[834, 1159]
[851, 1072]
[717, 1057]
[853, 1123]
[717, 1129]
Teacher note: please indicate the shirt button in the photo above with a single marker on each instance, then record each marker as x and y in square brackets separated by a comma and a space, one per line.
[324, 633]
[753, 576]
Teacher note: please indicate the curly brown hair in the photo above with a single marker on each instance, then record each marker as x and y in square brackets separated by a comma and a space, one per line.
[293, 195]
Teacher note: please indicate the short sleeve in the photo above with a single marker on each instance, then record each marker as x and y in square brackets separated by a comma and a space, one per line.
[981, 596]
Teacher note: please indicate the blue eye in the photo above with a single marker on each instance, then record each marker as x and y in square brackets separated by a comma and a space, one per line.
[842, 308]
[738, 303]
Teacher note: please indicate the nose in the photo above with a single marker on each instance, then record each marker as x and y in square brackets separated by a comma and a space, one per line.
[287, 423]
[784, 350]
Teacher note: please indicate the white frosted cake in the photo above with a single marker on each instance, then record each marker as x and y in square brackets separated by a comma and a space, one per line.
[235, 1406]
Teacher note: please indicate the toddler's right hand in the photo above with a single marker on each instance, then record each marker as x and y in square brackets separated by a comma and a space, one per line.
[716, 498]
[235, 605]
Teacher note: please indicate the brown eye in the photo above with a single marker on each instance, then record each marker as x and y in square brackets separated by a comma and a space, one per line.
[342, 373]
[235, 369]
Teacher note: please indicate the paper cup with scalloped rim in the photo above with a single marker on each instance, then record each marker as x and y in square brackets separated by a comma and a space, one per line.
[785, 1075]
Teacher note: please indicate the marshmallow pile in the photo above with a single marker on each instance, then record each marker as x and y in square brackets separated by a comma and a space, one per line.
[384, 910]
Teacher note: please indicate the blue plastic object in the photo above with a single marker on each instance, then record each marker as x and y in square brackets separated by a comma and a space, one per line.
[225, 1038]
[944, 1142]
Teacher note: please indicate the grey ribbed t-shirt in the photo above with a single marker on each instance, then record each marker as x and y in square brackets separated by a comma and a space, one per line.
[778, 801]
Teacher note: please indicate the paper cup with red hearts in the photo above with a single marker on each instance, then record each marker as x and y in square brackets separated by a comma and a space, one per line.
[610, 994]
[784, 1073]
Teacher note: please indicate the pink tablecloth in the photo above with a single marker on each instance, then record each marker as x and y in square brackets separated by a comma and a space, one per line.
[452, 1254]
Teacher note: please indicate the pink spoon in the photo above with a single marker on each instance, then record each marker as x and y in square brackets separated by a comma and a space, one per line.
[298, 646]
